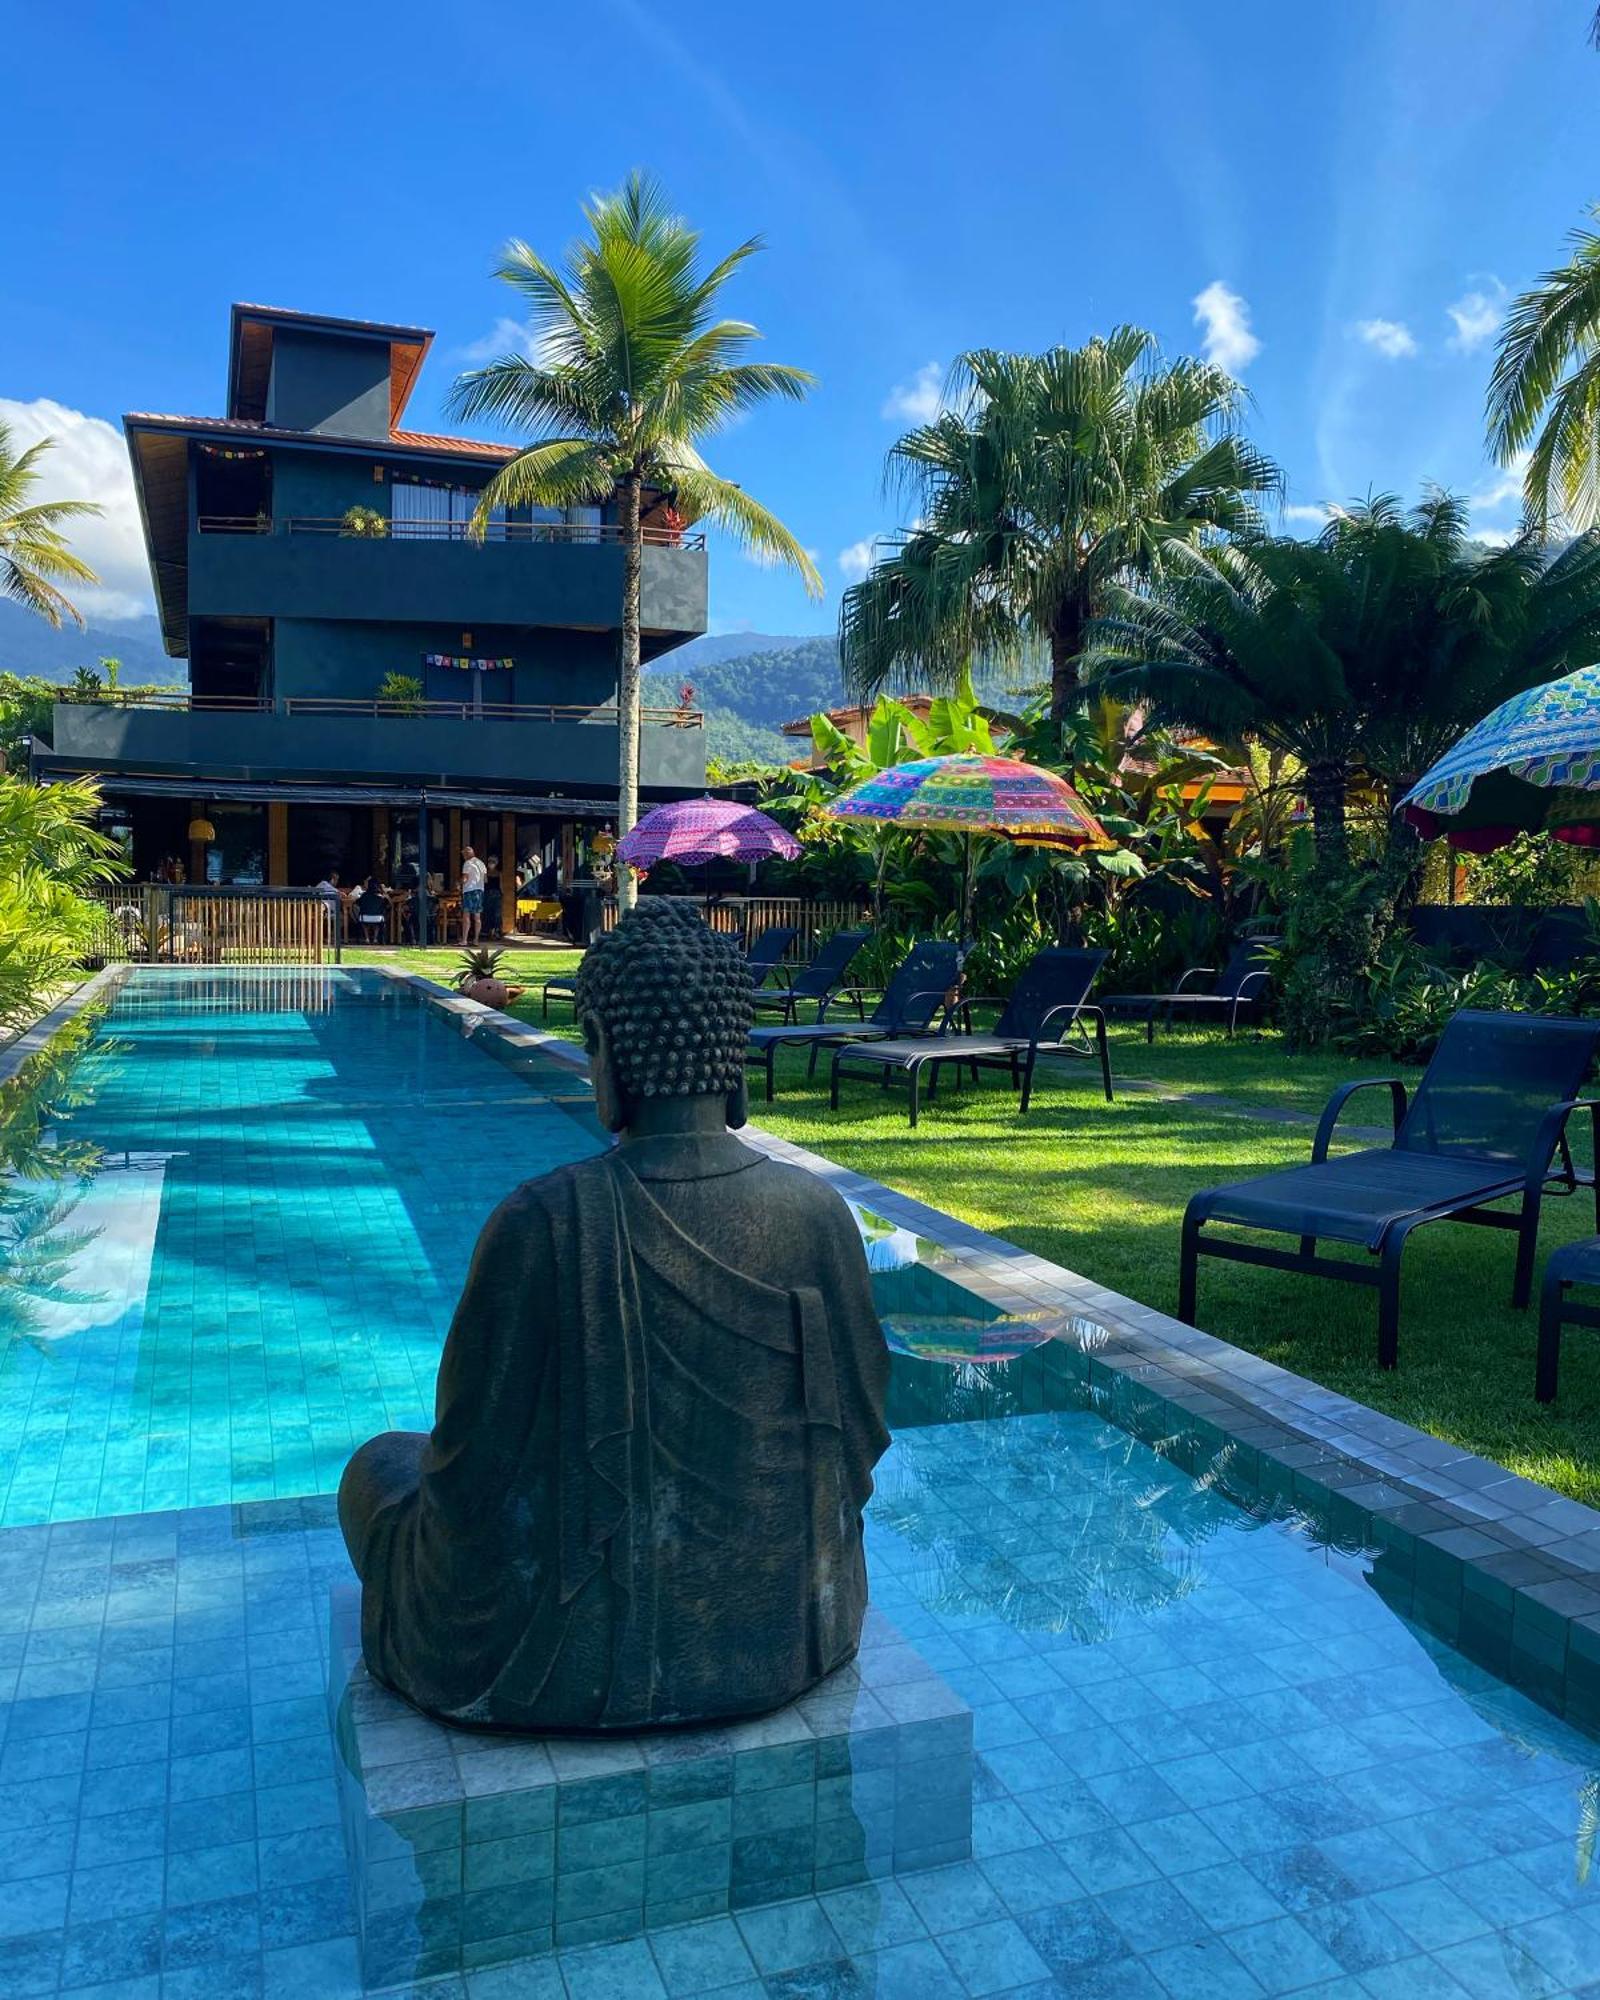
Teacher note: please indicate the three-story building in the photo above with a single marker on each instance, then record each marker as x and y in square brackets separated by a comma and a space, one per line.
[371, 682]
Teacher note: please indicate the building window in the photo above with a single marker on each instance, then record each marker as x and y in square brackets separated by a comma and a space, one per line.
[239, 852]
[424, 511]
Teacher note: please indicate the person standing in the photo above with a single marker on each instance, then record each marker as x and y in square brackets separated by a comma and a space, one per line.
[473, 877]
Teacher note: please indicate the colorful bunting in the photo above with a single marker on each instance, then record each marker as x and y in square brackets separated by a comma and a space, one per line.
[465, 665]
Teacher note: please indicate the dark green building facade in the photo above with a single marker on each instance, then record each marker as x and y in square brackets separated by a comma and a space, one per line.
[366, 674]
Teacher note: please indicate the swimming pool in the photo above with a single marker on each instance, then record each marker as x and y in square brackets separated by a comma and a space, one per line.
[1212, 1759]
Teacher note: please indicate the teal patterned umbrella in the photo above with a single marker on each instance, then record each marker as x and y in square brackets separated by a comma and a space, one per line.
[1532, 766]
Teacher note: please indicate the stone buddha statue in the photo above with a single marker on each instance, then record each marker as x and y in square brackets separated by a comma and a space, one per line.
[659, 1403]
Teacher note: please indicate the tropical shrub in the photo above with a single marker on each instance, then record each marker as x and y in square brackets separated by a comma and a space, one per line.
[365, 524]
[51, 855]
[402, 693]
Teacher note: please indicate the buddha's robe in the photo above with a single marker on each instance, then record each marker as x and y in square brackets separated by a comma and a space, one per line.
[659, 1407]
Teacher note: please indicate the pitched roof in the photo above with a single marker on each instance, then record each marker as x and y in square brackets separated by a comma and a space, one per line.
[466, 447]
[250, 336]
[428, 441]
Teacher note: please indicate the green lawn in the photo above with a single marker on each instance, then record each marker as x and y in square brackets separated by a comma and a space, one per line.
[1101, 1188]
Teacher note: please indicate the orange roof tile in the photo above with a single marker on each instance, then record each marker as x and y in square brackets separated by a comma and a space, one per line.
[400, 440]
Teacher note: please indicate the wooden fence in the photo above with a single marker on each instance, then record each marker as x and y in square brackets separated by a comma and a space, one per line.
[745, 917]
[153, 923]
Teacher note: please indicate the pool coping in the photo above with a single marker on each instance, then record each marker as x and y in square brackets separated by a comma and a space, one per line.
[1505, 1569]
[16, 1055]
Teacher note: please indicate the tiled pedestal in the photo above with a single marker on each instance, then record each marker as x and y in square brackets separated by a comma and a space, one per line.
[469, 1850]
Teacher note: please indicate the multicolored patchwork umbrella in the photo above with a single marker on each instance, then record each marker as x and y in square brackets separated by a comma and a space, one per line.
[979, 796]
[1531, 766]
[950, 1337]
[690, 831]
[968, 793]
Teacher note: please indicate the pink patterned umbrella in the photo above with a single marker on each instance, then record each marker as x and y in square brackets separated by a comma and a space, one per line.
[695, 830]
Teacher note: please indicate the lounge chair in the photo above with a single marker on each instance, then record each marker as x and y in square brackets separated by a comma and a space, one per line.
[1487, 1121]
[1047, 1005]
[767, 948]
[917, 993]
[1242, 983]
[821, 978]
[764, 957]
[1573, 1264]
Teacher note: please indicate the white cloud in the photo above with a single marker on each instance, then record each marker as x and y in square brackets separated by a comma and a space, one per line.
[1392, 338]
[1318, 512]
[1494, 538]
[1503, 490]
[1477, 314]
[921, 399]
[1224, 318]
[856, 560]
[89, 462]
[506, 336]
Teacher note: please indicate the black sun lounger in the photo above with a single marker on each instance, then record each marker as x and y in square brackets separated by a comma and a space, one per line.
[911, 1001]
[1242, 984]
[1573, 1264]
[821, 978]
[1487, 1122]
[1046, 1006]
[765, 956]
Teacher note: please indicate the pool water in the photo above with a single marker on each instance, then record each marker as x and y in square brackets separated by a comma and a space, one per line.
[1212, 1761]
[273, 1189]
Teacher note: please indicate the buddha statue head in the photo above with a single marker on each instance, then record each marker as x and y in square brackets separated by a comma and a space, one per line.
[665, 1004]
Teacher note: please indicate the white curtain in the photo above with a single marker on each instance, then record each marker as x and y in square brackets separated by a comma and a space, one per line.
[423, 511]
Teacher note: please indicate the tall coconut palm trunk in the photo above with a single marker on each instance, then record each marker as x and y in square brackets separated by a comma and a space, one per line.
[1327, 786]
[1067, 636]
[628, 720]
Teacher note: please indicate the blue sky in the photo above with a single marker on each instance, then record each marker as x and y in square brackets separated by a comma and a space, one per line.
[1348, 191]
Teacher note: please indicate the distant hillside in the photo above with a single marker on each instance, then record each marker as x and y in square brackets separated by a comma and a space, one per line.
[749, 683]
[29, 646]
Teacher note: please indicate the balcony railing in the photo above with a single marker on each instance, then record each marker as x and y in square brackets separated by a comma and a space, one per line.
[326, 705]
[179, 698]
[488, 711]
[581, 532]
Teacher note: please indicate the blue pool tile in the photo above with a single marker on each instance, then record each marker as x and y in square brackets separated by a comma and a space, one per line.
[1283, 1955]
[948, 1899]
[786, 1935]
[1206, 1970]
[695, 1958]
[916, 1970]
[992, 1957]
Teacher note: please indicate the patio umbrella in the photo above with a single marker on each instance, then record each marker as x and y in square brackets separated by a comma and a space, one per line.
[1531, 766]
[978, 797]
[955, 1337]
[690, 831]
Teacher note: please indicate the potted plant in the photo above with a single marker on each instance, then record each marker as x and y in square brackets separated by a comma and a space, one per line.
[365, 523]
[400, 694]
[478, 978]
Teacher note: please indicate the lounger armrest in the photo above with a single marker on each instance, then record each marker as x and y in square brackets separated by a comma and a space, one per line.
[1550, 1130]
[1195, 972]
[1068, 1012]
[1261, 975]
[1342, 1096]
[934, 993]
[859, 994]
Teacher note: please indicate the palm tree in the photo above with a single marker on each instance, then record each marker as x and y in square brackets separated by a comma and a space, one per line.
[1544, 394]
[34, 555]
[1369, 650]
[630, 370]
[1052, 478]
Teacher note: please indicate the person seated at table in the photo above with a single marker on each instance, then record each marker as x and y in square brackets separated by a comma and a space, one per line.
[372, 910]
[407, 877]
[659, 1404]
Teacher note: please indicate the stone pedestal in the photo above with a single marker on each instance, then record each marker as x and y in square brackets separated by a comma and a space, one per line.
[469, 1850]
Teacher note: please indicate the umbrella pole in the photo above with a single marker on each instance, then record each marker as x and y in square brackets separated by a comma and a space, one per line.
[966, 890]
